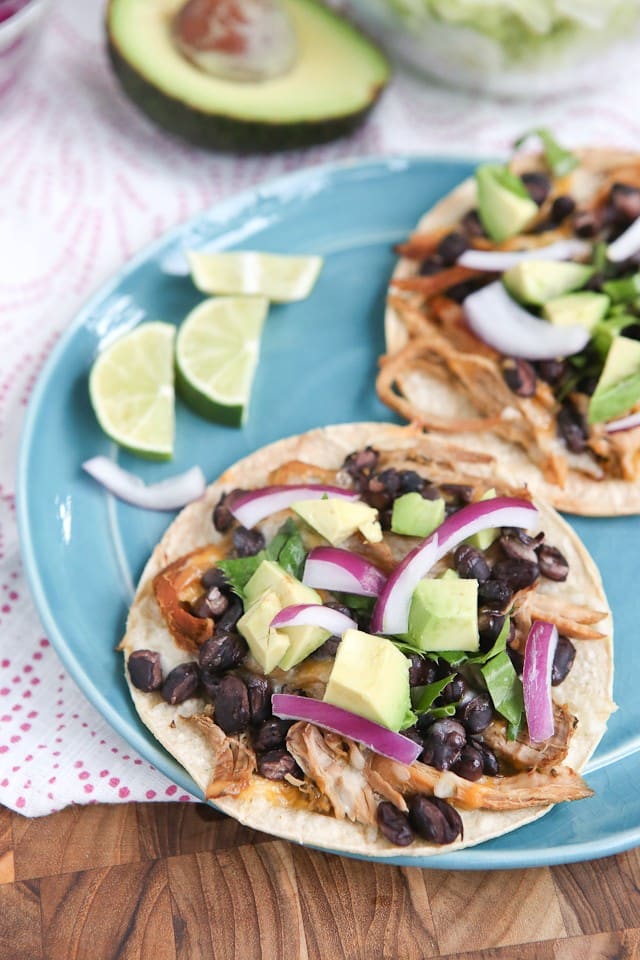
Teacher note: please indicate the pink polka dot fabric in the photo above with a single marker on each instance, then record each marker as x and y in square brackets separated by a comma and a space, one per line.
[85, 182]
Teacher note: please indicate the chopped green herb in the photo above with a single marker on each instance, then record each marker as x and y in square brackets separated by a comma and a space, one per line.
[431, 692]
[239, 570]
[504, 686]
[624, 290]
[499, 646]
[288, 550]
[506, 178]
[560, 160]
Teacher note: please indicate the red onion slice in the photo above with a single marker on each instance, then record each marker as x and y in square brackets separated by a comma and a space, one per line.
[330, 568]
[391, 612]
[254, 505]
[626, 244]
[314, 615]
[288, 706]
[169, 494]
[623, 423]
[499, 321]
[536, 679]
[496, 261]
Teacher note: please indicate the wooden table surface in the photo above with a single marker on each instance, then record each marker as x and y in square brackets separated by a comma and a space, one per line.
[163, 881]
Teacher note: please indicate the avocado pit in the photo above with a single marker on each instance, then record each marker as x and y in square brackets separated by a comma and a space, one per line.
[240, 40]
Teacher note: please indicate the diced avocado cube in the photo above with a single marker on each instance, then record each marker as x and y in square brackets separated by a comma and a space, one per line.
[337, 520]
[484, 538]
[267, 646]
[536, 281]
[618, 389]
[449, 574]
[271, 576]
[585, 308]
[370, 677]
[444, 615]
[414, 516]
[302, 642]
[504, 206]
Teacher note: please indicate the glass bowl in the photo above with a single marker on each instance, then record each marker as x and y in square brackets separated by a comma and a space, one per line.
[20, 22]
[504, 48]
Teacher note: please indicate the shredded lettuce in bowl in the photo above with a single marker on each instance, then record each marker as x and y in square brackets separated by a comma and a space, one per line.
[469, 41]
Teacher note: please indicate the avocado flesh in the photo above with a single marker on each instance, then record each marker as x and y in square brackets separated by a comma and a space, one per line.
[618, 389]
[337, 77]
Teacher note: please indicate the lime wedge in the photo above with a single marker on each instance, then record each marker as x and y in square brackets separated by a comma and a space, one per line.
[131, 390]
[279, 278]
[216, 356]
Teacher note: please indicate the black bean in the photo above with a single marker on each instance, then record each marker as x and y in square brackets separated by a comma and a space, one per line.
[470, 763]
[213, 603]
[413, 734]
[145, 670]
[231, 704]
[361, 464]
[475, 714]
[626, 201]
[259, 693]
[518, 574]
[588, 383]
[328, 649]
[230, 617]
[223, 519]
[572, 427]
[453, 691]
[394, 824]
[430, 266]
[490, 623]
[586, 223]
[270, 735]
[443, 742]
[181, 683]
[551, 370]
[471, 563]
[472, 224]
[632, 331]
[431, 822]
[519, 549]
[561, 208]
[460, 291]
[517, 660]
[451, 247]
[246, 543]
[490, 766]
[538, 186]
[553, 564]
[224, 650]
[214, 577]
[421, 670]
[277, 764]
[496, 592]
[411, 481]
[519, 376]
[563, 660]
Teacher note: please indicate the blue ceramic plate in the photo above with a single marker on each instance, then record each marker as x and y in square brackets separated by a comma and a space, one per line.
[83, 551]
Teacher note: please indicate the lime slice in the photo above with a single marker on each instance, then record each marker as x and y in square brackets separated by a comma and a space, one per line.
[279, 278]
[216, 356]
[131, 390]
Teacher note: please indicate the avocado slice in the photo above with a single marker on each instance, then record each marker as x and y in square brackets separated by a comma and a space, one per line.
[536, 281]
[336, 78]
[586, 308]
[618, 389]
[504, 205]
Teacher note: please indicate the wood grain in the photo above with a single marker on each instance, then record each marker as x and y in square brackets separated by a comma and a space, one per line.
[183, 882]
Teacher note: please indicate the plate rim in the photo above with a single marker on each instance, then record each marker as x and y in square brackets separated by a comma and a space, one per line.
[477, 857]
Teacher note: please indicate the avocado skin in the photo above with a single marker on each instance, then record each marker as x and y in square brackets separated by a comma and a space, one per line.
[227, 133]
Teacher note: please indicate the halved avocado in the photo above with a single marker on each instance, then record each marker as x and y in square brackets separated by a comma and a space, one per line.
[337, 77]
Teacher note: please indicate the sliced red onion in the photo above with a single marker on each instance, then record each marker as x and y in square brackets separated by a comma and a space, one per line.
[626, 244]
[254, 505]
[499, 321]
[391, 612]
[623, 423]
[314, 615]
[330, 568]
[288, 706]
[496, 261]
[536, 679]
[169, 494]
